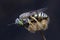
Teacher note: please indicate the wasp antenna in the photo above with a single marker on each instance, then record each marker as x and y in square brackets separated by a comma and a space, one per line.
[11, 24]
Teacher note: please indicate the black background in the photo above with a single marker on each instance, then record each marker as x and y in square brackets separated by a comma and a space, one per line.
[11, 9]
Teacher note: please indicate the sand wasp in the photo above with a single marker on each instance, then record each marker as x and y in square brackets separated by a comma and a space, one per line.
[36, 20]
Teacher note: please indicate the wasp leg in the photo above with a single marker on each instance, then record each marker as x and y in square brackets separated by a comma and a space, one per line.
[32, 27]
[39, 25]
